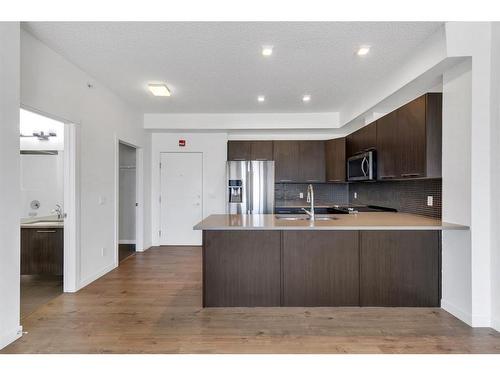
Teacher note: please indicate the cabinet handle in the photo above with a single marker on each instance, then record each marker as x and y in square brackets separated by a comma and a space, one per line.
[46, 231]
[387, 177]
[312, 180]
[336, 180]
[285, 180]
[238, 159]
[410, 175]
[263, 159]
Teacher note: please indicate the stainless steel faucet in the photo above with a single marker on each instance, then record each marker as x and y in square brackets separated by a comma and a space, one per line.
[58, 210]
[310, 199]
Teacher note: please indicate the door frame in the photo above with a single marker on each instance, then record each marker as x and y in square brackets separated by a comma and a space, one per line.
[71, 200]
[139, 197]
[162, 200]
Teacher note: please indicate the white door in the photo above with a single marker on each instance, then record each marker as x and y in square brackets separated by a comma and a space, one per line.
[181, 205]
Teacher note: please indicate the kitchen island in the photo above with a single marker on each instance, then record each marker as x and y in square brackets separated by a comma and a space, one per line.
[364, 259]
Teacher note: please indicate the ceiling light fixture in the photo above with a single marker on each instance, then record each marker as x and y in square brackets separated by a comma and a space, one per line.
[267, 50]
[159, 89]
[363, 51]
[306, 98]
[261, 98]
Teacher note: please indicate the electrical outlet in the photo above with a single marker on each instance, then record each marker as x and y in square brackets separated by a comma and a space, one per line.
[355, 195]
[301, 195]
[101, 200]
[430, 200]
[103, 251]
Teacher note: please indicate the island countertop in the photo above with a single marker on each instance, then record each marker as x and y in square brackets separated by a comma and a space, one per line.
[359, 221]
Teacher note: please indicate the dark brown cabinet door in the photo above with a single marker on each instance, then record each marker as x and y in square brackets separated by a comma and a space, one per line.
[241, 268]
[400, 268]
[362, 140]
[312, 161]
[320, 268]
[335, 160]
[42, 251]
[262, 150]
[239, 150]
[388, 147]
[412, 137]
[286, 161]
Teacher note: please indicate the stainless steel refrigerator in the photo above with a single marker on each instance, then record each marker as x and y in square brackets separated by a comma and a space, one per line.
[250, 187]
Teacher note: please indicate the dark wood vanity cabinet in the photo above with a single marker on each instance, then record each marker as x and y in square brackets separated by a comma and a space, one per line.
[409, 139]
[250, 150]
[400, 268]
[42, 251]
[362, 140]
[320, 268]
[335, 160]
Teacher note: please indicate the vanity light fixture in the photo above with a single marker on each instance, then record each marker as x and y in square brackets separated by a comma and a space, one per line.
[267, 50]
[159, 89]
[363, 50]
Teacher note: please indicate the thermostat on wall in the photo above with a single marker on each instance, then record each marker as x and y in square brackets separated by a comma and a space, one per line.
[182, 142]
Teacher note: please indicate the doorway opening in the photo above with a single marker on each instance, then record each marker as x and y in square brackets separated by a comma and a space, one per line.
[42, 159]
[127, 201]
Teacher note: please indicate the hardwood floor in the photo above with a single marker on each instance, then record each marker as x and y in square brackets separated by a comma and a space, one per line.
[37, 290]
[124, 251]
[152, 304]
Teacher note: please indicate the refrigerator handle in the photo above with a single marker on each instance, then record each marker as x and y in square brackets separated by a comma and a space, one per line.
[249, 185]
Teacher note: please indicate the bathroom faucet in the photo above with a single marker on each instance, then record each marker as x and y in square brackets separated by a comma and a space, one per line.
[310, 199]
[58, 211]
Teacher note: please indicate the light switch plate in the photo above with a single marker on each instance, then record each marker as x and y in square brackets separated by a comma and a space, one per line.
[430, 200]
[355, 195]
[301, 195]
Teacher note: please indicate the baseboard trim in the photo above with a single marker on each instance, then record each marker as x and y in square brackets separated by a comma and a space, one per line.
[10, 337]
[481, 321]
[94, 277]
[126, 242]
[461, 314]
[495, 324]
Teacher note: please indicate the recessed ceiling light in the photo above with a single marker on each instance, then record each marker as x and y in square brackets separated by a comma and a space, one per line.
[261, 98]
[159, 89]
[306, 98]
[362, 51]
[267, 50]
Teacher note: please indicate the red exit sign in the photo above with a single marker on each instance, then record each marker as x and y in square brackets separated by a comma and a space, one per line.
[182, 142]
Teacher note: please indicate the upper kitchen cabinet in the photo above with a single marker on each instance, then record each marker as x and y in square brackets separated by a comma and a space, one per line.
[409, 139]
[286, 161]
[250, 150]
[362, 140]
[299, 161]
[335, 160]
[312, 161]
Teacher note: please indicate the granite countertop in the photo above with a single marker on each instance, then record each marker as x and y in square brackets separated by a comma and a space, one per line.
[359, 221]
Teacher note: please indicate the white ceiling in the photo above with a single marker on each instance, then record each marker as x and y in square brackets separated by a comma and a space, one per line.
[217, 67]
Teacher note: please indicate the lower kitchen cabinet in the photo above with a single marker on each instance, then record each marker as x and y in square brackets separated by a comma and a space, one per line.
[320, 268]
[42, 251]
[241, 268]
[400, 268]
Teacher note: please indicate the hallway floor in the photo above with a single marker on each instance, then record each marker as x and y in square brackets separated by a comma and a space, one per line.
[37, 290]
[152, 304]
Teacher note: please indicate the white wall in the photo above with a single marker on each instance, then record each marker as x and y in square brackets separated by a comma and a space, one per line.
[495, 147]
[127, 194]
[213, 146]
[52, 85]
[474, 39]
[457, 276]
[41, 180]
[9, 188]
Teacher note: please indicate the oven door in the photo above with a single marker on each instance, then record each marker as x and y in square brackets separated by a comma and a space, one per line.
[361, 167]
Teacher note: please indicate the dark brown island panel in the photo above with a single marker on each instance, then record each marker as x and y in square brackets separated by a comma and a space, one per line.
[251, 268]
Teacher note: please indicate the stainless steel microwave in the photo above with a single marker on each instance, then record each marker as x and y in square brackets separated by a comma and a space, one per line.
[362, 167]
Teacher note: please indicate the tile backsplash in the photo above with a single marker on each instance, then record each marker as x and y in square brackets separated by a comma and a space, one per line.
[405, 196]
[323, 193]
